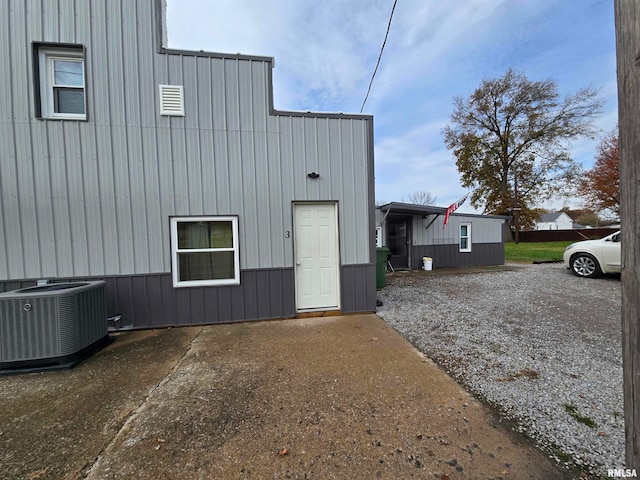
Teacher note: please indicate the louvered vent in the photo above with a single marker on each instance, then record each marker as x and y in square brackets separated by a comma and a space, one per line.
[171, 100]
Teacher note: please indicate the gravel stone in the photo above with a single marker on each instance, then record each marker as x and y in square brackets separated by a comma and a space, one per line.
[540, 345]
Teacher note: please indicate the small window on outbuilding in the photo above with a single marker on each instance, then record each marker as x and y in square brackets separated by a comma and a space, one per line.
[61, 82]
[204, 251]
[465, 237]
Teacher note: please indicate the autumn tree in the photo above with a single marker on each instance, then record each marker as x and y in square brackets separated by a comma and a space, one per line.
[511, 139]
[421, 197]
[600, 186]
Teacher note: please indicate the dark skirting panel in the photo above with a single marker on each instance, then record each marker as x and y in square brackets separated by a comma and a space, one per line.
[151, 301]
[358, 288]
[451, 256]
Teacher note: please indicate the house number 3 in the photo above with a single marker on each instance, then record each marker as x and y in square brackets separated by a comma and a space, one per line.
[287, 234]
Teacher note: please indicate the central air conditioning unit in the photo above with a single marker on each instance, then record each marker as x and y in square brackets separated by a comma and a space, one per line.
[51, 326]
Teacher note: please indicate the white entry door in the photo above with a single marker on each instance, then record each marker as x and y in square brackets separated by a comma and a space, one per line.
[316, 256]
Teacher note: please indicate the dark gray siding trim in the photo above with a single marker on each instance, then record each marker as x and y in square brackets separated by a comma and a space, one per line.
[450, 256]
[150, 301]
[358, 288]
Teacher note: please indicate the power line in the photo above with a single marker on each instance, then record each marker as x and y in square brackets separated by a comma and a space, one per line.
[379, 56]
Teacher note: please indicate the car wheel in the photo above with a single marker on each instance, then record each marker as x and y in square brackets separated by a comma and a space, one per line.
[585, 265]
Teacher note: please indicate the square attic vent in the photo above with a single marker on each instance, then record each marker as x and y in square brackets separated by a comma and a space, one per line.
[171, 100]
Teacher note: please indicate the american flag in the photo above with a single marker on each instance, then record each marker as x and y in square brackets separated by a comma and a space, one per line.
[452, 208]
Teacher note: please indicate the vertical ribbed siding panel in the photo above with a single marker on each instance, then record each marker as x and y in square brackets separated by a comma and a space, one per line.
[218, 93]
[26, 194]
[194, 180]
[249, 216]
[234, 187]
[183, 72]
[285, 152]
[34, 19]
[19, 60]
[203, 86]
[50, 21]
[77, 194]
[108, 209]
[122, 183]
[265, 194]
[245, 96]
[347, 247]
[66, 21]
[231, 95]
[139, 206]
[298, 159]
[145, 63]
[179, 167]
[277, 204]
[192, 136]
[81, 19]
[12, 265]
[91, 201]
[44, 206]
[322, 149]
[309, 148]
[63, 229]
[97, 65]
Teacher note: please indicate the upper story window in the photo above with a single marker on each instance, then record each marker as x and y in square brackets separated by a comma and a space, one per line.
[465, 237]
[62, 82]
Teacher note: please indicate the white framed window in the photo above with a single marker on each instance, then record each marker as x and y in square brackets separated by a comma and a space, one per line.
[62, 82]
[204, 251]
[465, 237]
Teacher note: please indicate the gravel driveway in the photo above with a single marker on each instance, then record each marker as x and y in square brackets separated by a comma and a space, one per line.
[541, 345]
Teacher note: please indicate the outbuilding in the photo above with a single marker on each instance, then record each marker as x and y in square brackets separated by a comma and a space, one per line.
[412, 232]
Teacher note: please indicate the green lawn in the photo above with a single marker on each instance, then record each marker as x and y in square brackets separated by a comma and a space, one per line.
[534, 251]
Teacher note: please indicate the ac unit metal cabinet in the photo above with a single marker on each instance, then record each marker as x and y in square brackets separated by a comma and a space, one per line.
[51, 326]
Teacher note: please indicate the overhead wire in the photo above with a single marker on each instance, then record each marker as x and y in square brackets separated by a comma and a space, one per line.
[379, 56]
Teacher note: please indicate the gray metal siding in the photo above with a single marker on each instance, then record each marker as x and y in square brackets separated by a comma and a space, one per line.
[93, 198]
[483, 230]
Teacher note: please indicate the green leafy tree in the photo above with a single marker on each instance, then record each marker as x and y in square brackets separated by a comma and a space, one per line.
[511, 140]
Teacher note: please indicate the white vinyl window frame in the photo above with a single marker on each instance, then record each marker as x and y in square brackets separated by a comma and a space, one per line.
[47, 58]
[175, 252]
[464, 231]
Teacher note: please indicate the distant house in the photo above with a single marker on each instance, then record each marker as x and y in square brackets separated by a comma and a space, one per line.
[555, 221]
[412, 232]
[170, 175]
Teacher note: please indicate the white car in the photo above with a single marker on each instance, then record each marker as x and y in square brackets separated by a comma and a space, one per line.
[592, 258]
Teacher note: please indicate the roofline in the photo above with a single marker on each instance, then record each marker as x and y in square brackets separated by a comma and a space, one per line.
[413, 209]
[162, 40]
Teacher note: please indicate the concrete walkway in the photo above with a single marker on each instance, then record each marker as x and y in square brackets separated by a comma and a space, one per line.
[334, 397]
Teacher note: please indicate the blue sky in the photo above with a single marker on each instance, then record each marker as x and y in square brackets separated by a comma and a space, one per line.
[325, 52]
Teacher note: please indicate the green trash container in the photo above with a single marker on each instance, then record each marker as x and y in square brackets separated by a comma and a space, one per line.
[381, 266]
